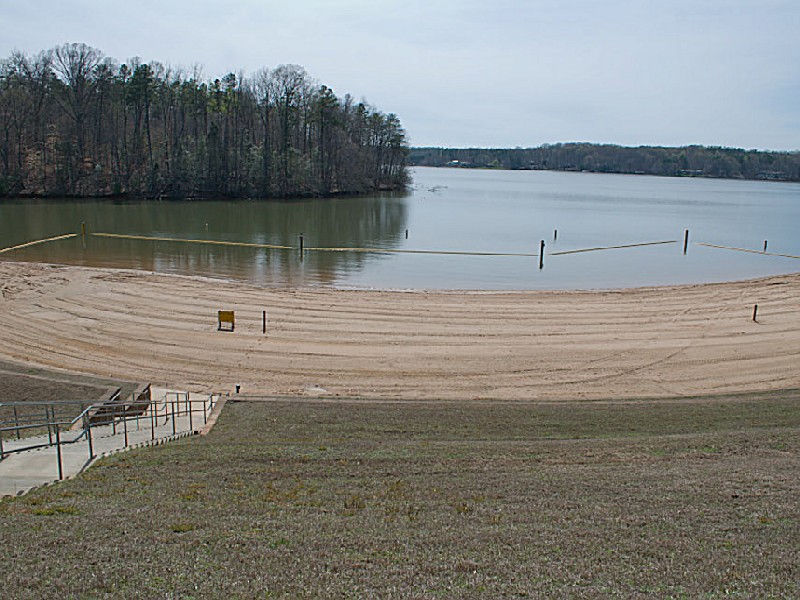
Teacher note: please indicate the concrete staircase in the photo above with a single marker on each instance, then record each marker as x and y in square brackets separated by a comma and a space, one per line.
[165, 415]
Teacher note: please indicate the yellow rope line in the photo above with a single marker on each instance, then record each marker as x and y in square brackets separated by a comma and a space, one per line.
[747, 250]
[396, 251]
[376, 250]
[312, 249]
[166, 239]
[610, 247]
[33, 243]
[365, 250]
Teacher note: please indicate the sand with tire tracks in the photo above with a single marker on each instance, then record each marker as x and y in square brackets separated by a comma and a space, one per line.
[650, 342]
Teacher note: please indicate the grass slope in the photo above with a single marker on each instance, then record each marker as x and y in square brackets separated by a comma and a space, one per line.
[308, 499]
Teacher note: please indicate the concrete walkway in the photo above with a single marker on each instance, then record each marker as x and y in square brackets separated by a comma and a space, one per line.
[21, 471]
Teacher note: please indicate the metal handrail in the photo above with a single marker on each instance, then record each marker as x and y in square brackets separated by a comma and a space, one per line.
[113, 404]
[116, 413]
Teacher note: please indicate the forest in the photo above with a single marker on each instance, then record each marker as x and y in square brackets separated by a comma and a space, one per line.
[688, 161]
[74, 122]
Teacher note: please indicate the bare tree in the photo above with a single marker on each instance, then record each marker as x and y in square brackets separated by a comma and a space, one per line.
[72, 121]
[74, 65]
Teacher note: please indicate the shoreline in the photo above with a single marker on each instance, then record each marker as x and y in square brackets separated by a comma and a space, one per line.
[557, 345]
[623, 173]
[440, 291]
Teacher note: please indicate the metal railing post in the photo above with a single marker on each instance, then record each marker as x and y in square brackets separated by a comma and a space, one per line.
[205, 411]
[191, 426]
[125, 427]
[2, 452]
[49, 428]
[172, 404]
[58, 453]
[16, 422]
[87, 425]
[152, 421]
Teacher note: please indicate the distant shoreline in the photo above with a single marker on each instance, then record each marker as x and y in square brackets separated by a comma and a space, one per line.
[689, 161]
[587, 172]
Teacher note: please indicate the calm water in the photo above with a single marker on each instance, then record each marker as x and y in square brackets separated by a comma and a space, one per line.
[447, 210]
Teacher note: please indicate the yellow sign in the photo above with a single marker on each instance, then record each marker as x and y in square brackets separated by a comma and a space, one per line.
[225, 317]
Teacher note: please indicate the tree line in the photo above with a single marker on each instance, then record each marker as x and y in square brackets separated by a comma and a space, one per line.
[693, 161]
[74, 122]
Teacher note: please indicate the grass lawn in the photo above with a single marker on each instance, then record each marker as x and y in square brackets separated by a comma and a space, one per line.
[312, 499]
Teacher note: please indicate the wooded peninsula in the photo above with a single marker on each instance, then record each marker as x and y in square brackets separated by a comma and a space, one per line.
[74, 122]
[688, 161]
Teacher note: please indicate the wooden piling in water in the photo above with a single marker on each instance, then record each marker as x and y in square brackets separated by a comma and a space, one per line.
[541, 254]
[685, 241]
[765, 245]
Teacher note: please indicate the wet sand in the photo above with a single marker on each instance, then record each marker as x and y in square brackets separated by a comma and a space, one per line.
[550, 346]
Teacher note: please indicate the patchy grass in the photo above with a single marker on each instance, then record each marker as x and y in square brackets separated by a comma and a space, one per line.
[29, 390]
[30, 385]
[690, 498]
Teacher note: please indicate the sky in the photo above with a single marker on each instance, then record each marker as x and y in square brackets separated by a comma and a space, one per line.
[481, 73]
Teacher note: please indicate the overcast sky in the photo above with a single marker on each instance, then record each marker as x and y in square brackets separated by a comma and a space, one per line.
[489, 73]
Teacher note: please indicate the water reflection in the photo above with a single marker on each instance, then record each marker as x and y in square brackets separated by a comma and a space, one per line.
[448, 210]
[375, 221]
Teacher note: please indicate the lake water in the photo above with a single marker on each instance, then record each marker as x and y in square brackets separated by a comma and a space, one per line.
[451, 210]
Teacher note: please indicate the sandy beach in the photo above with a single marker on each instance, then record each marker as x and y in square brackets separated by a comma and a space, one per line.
[549, 346]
